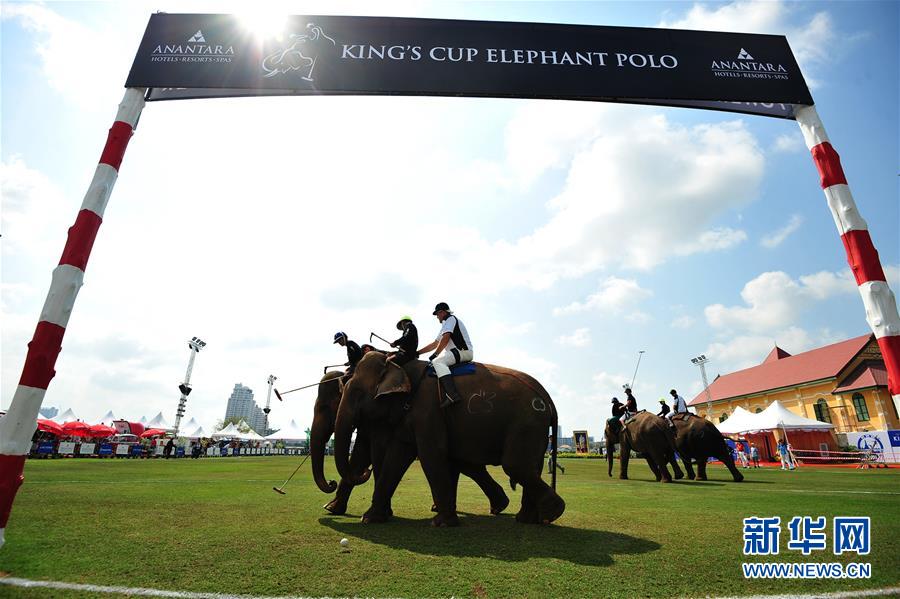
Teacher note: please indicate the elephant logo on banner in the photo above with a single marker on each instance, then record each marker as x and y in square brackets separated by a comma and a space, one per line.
[300, 55]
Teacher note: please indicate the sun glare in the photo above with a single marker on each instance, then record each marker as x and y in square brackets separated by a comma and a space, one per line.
[263, 24]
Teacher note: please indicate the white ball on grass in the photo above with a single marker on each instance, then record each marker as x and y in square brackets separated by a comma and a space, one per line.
[345, 542]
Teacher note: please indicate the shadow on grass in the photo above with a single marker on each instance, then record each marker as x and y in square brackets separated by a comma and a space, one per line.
[495, 537]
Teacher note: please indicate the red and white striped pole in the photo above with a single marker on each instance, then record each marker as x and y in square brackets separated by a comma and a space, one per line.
[20, 422]
[881, 306]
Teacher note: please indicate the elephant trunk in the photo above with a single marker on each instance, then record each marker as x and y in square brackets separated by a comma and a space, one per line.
[342, 430]
[610, 447]
[318, 436]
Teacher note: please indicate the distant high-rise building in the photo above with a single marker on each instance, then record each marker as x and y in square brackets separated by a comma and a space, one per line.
[241, 405]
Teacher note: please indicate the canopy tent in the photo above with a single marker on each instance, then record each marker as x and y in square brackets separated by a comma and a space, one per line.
[48, 426]
[229, 432]
[76, 429]
[740, 421]
[292, 432]
[108, 418]
[774, 417]
[101, 430]
[67, 416]
[158, 422]
[250, 435]
[190, 426]
[197, 433]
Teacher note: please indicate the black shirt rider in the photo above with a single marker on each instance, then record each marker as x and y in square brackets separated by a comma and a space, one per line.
[408, 342]
[617, 408]
[630, 402]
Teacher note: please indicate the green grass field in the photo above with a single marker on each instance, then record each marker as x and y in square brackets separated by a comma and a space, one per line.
[215, 525]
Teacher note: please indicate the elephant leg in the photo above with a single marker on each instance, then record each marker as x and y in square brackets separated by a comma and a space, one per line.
[528, 512]
[660, 458]
[726, 459]
[701, 467]
[523, 461]
[394, 465]
[491, 489]
[688, 468]
[442, 479]
[675, 468]
[654, 469]
[624, 456]
[360, 459]
[454, 485]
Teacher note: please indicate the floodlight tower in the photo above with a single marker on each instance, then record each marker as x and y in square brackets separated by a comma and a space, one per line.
[701, 361]
[271, 380]
[196, 344]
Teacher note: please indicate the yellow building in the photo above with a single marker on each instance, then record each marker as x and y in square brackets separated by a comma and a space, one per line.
[844, 383]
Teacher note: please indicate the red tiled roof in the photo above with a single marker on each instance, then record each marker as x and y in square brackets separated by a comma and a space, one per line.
[776, 354]
[869, 375]
[817, 364]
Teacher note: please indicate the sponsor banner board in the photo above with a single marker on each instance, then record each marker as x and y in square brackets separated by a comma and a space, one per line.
[882, 442]
[86, 449]
[105, 449]
[66, 448]
[206, 55]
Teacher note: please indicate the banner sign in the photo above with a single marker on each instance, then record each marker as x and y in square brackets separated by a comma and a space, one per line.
[581, 441]
[86, 448]
[66, 448]
[105, 449]
[45, 447]
[882, 442]
[200, 56]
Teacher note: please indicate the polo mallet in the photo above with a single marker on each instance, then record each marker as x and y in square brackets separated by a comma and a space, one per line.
[324, 370]
[278, 395]
[378, 337]
[280, 491]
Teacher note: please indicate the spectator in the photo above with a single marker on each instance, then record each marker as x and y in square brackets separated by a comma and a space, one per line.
[742, 454]
[754, 455]
[170, 446]
[784, 452]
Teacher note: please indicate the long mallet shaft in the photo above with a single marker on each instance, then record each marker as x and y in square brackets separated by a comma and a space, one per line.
[280, 491]
[324, 370]
[378, 337]
[279, 394]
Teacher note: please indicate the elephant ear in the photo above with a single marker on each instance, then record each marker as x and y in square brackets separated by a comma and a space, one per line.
[394, 380]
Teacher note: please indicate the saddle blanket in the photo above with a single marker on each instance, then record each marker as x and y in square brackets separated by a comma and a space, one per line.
[458, 370]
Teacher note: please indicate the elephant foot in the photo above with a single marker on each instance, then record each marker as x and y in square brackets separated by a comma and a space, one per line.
[679, 475]
[623, 477]
[551, 508]
[336, 506]
[499, 505]
[665, 480]
[529, 516]
[692, 476]
[445, 520]
[701, 477]
[738, 477]
[373, 516]
[434, 507]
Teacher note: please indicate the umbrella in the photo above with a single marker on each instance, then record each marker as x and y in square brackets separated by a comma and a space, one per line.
[100, 430]
[153, 432]
[48, 426]
[76, 429]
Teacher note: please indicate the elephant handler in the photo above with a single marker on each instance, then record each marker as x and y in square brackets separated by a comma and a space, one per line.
[630, 405]
[407, 343]
[618, 410]
[354, 352]
[452, 346]
[679, 406]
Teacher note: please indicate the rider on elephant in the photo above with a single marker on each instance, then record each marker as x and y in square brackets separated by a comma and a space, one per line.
[354, 352]
[663, 407]
[618, 410]
[630, 405]
[452, 346]
[679, 406]
[407, 343]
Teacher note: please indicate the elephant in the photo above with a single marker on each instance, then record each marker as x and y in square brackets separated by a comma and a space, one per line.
[698, 439]
[503, 420]
[648, 434]
[365, 453]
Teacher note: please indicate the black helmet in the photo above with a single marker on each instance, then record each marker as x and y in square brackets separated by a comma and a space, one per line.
[439, 307]
[339, 335]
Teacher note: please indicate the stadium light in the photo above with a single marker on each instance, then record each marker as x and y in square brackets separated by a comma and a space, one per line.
[271, 380]
[195, 344]
[701, 361]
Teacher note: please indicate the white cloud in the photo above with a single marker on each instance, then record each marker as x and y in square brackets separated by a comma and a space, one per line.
[614, 295]
[812, 42]
[683, 322]
[789, 143]
[710, 241]
[579, 338]
[776, 238]
[774, 300]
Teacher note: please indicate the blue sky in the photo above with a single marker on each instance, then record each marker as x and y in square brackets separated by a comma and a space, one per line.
[568, 236]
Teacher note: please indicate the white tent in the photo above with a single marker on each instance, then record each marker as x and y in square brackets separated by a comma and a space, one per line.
[158, 422]
[143, 420]
[229, 432]
[250, 435]
[67, 416]
[774, 417]
[292, 432]
[190, 426]
[108, 418]
[197, 433]
[740, 421]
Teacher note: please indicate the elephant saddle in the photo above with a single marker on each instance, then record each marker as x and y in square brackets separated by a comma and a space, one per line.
[631, 418]
[684, 416]
[457, 369]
